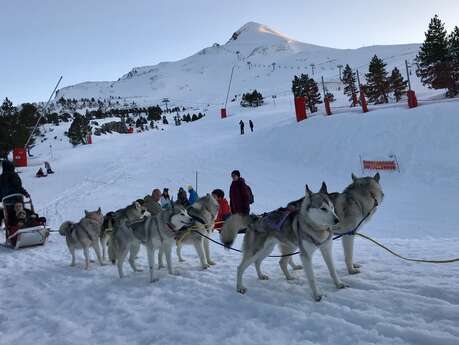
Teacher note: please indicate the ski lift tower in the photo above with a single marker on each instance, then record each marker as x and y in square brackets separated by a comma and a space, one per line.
[165, 101]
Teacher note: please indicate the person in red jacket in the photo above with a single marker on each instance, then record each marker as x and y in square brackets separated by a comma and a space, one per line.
[224, 210]
[240, 194]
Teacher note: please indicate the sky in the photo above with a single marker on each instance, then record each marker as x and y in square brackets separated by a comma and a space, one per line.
[95, 40]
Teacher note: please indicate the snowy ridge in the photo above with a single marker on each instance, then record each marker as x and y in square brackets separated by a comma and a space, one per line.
[203, 77]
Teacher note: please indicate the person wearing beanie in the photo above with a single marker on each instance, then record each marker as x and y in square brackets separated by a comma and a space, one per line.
[193, 196]
[240, 194]
[165, 200]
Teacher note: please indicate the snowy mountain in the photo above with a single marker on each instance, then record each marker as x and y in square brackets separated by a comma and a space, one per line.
[262, 58]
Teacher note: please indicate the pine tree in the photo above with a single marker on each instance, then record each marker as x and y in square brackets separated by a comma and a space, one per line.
[79, 130]
[350, 87]
[377, 83]
[397, 84]
[453, 56]
[313, 95]
[7, 107]
[303, 86]
[432, 59]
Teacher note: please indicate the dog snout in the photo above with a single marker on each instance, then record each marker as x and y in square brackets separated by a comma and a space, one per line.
[336, 220]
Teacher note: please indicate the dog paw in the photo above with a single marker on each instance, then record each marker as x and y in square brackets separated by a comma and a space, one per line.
[161, 266]
[290, 278]
[297, 267]
[241, 290]
[353, 270]
[341, 285]
[138, 270]
[318, 297]
[263, 277]
[154, 280]
[181, 260]
[356, 265]
[204, 267]
[210, 262]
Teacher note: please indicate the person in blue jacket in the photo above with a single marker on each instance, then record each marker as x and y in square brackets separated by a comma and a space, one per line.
[193, 195]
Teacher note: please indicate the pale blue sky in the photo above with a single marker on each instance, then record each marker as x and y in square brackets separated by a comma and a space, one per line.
[103, 39]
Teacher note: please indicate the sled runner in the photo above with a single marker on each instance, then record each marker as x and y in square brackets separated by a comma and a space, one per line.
[23, 227]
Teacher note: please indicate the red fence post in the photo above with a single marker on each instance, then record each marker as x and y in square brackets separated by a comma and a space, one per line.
[89, 139]
[363, 101]
[327, 106]
[223, 113]
[300, 108]
[20, 157]
[412, 100]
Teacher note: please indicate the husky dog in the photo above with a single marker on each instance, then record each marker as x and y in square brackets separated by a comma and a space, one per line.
[309, 228]
[83, 235]
[357, 202]
[203, 211]
[155, 232]
[133, 212]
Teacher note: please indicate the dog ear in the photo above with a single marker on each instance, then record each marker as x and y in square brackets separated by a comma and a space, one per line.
[354, 177]
[307, 197]
[323, 188]
[377, 177]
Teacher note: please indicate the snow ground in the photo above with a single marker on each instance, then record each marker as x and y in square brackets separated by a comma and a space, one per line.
[391, 302]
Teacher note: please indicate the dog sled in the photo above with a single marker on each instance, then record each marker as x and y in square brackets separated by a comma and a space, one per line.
[23, 227]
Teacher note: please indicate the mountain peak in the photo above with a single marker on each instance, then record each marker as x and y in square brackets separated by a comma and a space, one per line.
[255, 31]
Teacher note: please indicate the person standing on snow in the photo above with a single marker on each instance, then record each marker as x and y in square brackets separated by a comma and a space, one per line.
[193, 195]
[152, 202]
[224, 210]
[241, 124]
[165, 200]
[240, 194]
[182, 198]
[251, 125]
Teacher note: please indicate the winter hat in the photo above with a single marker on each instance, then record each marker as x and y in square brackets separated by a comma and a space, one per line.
[236, 172]
[190, 187]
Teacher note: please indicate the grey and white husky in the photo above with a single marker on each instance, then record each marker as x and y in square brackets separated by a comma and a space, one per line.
[83, 235]
[155, 232]
[357, 202]
[131, 213]
[308, 228]
[203, 211]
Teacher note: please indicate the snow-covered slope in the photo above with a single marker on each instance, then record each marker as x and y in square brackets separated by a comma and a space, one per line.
[391, 302]
[262, 59]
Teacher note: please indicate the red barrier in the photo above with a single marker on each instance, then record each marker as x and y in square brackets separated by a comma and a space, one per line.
[223, 113]
[380, 165]
[327, 106]
[20, 157]
[89, 139]
[412, 100]
[363, 100]
[300, 108]
[130, 130]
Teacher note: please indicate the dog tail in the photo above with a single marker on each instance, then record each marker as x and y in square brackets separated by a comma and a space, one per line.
[231, 228]
[65, 228]
[111, 248]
